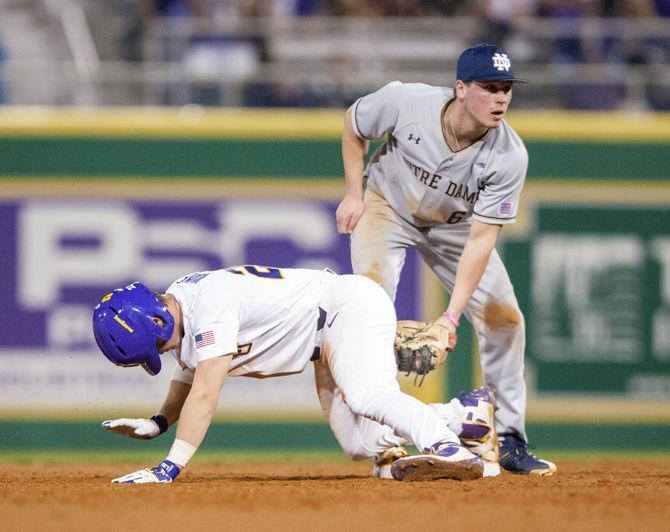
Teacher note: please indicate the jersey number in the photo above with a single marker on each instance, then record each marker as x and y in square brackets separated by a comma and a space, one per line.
[243, 349]
[456, 217]
[258, 271]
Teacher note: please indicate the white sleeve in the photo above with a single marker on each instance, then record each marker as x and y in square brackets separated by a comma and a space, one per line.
[215, 331]
[184, 375]
[377, 113]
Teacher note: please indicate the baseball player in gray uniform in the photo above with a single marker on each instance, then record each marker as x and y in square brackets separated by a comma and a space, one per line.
[259, 322]
[445, 180]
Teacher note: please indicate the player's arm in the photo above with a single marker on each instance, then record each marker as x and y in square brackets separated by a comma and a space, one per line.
[199, 407]
[354, 151]
[174, 402]
[426, 346]
[481, 241]
[168, 414]
[196, 416]
[501, 191]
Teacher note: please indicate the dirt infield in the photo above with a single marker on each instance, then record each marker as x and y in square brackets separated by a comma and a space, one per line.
[594, 496]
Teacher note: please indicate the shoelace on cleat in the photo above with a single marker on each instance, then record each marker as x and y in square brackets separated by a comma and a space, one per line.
[515, 452]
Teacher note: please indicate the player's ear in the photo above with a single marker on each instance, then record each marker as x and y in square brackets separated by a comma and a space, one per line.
[459, 88]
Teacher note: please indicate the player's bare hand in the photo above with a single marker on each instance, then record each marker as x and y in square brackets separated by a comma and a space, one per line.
[348, 213]
[445, 333]
[143, 429]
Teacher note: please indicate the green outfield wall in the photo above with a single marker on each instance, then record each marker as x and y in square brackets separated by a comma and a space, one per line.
[296, 144]
[300, 158]
[51, 436]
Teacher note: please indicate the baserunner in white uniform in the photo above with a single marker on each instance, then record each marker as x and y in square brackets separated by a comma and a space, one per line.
[446, 179]
[267, 322]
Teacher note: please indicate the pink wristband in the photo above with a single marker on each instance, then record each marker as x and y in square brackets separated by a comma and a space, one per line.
[453, 320]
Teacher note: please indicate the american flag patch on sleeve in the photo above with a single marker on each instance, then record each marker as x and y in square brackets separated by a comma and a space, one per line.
[204, 339]
[505, 207]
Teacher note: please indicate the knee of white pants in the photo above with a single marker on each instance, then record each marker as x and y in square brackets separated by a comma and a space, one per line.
[345, 427]
[353, 447]
[356, 401]
[361, 402]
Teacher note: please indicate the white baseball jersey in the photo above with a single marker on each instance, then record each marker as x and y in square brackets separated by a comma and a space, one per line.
[418, 174]
[267, 317]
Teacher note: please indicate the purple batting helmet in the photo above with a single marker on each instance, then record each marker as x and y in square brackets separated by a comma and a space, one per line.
[125, 330]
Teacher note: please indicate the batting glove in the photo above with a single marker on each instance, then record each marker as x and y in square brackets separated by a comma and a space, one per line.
[163, 473]
[143, 429]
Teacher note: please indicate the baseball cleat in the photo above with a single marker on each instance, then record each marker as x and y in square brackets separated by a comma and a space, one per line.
[381, 464]
[448, 461]
[478, 428]
[515, 458]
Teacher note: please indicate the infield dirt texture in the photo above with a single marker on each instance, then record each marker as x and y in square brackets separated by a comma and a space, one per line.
[594, 496]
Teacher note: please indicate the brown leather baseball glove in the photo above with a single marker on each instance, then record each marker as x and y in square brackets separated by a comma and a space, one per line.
[420, 347]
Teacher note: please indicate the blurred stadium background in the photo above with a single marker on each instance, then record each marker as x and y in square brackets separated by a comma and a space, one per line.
[146, 139]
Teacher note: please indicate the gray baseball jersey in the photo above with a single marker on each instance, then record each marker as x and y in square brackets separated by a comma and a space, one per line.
[418, 174]
[415, 182]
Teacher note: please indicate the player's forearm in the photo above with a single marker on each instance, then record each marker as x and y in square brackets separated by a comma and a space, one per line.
[198, 409]
[472, 265]
[196, 417]
[174, 402]
[354, 151]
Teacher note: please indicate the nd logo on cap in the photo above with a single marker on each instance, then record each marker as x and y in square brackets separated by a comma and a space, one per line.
[501, 62]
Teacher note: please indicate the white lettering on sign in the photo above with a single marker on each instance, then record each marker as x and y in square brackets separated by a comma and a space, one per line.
[103, 244]
[310, 228]
[177, 237]
[46, 262]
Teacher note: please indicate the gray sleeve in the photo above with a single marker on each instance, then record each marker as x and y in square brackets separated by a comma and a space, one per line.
[377, 113]
[498, 202]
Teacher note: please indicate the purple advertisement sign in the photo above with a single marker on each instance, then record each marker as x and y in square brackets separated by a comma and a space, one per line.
[59, 256]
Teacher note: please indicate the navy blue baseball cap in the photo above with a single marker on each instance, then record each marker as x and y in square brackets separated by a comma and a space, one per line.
[486, 62]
